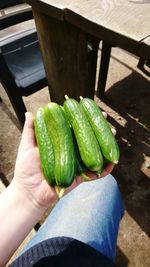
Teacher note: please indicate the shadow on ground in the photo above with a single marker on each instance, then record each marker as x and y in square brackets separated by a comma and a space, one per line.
[130, 98]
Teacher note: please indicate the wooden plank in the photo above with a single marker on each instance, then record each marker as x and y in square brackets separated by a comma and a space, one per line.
[109, 36]
[47, 8]
[128, 18]
[125, 17]
[70, 67]
[144, 48]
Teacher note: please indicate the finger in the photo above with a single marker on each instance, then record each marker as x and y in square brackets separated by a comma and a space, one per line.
[107, 169]
[77, 180]
[113, 131]
[28, 138]
[104, 114]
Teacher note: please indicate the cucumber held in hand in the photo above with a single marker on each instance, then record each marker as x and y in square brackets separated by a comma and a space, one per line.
[101, 129]
[80, 166]
[87, 143]
[60, 134]
[45, 146]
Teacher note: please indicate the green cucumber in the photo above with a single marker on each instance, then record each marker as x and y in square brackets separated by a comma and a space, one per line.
[80, 166]
[45, 146]
[87, 143]
[102, 130]
[60, 134]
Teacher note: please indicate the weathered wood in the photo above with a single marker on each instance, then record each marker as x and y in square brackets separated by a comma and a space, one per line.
[119, 22]
[144, 48]
[144, 54]
[104, 65]
[70, 66]
[47, 8]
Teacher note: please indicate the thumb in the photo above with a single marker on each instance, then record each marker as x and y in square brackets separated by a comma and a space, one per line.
[28, 137]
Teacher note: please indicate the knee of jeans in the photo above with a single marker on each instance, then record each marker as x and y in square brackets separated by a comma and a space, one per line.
[102, 185]
[111, 188]
[109, 182]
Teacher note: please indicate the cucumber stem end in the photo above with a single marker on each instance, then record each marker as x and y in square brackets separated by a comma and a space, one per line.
[60, 192]
[85, 177]
[66, 97]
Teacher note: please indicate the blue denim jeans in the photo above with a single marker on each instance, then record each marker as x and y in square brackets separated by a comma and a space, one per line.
[90, 213]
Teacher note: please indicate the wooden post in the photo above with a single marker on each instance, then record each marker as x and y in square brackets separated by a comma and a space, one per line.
[70, 66]
[104, 65]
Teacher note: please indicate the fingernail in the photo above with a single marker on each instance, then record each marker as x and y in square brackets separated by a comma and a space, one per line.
[27, 115]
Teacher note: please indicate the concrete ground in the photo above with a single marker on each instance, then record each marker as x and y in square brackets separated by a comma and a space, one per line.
[127, 104]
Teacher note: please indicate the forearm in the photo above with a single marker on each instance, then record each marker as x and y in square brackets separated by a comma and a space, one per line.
[18, 215]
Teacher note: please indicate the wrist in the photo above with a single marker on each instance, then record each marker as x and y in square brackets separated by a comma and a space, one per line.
[18, 215]
[26, 198]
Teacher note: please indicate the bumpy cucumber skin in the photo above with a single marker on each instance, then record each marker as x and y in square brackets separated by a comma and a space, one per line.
[80, 167]
[45, 146]
[87, 143]
[101, 129]
[60, 134]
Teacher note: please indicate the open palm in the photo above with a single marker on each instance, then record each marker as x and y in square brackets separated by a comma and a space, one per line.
[28, 174]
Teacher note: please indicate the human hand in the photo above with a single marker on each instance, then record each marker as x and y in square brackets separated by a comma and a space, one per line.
[28, 175]
[28, 196]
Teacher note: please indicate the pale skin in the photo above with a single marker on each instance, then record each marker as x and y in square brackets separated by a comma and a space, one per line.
[26, 199]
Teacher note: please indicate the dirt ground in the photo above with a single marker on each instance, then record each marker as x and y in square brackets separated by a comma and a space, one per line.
[128, 106]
